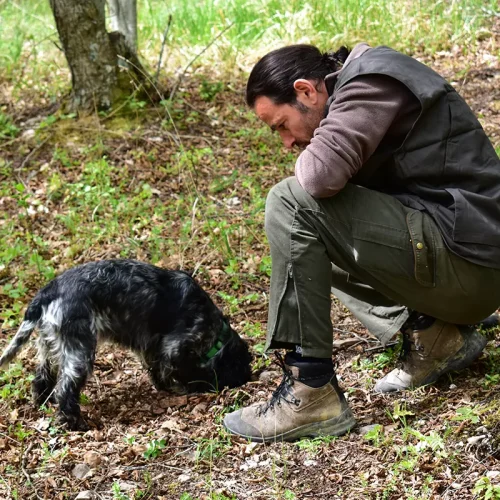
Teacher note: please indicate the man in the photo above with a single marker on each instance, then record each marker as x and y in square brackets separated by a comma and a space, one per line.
[394, 207]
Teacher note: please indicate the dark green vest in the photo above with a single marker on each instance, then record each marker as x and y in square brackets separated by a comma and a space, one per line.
[445, 166]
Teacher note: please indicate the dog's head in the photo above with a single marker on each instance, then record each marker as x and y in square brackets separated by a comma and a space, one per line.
[228, 367]
[231, 365]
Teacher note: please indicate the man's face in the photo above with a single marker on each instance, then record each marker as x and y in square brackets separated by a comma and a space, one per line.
[295, 123]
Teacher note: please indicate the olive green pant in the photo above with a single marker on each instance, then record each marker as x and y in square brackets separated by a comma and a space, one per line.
[379, 258]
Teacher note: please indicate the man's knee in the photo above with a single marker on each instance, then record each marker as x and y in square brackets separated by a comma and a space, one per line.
[282, 191]
[280, 200]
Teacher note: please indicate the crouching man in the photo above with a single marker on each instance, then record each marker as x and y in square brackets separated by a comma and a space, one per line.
[394, 208]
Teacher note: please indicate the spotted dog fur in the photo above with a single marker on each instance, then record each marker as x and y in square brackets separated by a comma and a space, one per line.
[164, 316]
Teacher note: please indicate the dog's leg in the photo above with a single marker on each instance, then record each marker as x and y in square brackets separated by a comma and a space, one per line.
[46, 372]
[44, 383]
[76, 362]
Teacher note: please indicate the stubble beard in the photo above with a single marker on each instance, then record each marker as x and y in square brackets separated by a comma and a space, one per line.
[312, 120]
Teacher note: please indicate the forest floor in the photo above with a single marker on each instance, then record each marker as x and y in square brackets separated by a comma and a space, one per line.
[183, 185]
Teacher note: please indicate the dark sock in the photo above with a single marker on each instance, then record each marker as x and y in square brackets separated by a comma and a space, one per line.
[314, 372]
[418, 321]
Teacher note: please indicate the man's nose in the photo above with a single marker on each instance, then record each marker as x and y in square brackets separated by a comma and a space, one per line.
[288, 140]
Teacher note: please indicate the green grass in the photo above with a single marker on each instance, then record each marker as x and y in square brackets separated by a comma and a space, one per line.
[27, 30]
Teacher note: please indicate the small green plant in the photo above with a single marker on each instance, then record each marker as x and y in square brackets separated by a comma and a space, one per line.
[466, 414]
[7, 128]
[260, 348]
[289, 495]
[117, 493]
[484, 489]
[47, 122]
[375, 435]
[433, 442]
[254, 330]
[491, 380]
[213, 496]
[19, 432]
[84, 399]
[399, 413]
[209, 90]
[154, 448]
[130, 439]
[215, 447]
[235, 303]
[13, 384]
[314, 445]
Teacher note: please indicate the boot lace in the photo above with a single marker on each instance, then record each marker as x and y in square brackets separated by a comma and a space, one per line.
[407, 347]
[283, 391]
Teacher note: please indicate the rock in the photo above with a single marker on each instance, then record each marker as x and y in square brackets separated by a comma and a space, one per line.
[85, 495]
[267, 376]
[452, 387]
[250, 447]
[345, 343]
[475, 439]
[99, 436]
[173, 401]
[367, 428]
[183, 478]
[310, 463]
[126, 486]
[92, 458]
[138, 449]
[43, 424]
[80, 471]
[200, 409]
[28, 134]
[233, 202]
[492, 474]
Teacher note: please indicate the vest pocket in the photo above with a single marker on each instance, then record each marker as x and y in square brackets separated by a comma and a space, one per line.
[422, 242]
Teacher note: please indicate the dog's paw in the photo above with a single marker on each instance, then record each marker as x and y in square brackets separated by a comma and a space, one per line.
[73, 423]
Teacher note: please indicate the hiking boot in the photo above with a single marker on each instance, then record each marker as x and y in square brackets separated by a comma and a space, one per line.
[492, 321]
[431, 348]
[306, 403]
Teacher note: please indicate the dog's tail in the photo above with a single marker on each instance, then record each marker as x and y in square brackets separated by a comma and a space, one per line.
[31, 319]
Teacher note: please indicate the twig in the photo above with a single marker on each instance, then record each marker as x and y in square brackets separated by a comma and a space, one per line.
[11, 141]
[177, 83]
[8, 437]
[379, 347]
[193, 217]
[25, 472]
[165, 34]
[28, 158]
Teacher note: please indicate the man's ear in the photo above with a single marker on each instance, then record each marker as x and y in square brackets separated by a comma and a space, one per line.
[306, 91]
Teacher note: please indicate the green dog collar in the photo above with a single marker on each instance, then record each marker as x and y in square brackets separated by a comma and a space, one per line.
[221, 340]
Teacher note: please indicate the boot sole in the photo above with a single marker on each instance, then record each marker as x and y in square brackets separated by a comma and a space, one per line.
[336, 426]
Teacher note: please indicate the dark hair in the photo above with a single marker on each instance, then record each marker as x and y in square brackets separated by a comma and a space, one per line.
[273, 76]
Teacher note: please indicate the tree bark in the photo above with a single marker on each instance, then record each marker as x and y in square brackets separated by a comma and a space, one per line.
[123, 17]
[91, 56]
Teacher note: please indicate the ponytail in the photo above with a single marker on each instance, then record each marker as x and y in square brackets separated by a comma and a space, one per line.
[274, 75]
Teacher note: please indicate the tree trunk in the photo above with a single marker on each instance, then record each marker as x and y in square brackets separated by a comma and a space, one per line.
[90, 54]
[123, 17]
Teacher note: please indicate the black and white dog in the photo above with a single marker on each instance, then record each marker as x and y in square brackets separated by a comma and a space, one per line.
[164, 316]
